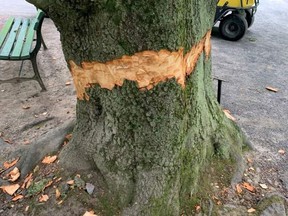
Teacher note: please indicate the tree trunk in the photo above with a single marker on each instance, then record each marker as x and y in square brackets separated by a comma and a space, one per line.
[147, 135]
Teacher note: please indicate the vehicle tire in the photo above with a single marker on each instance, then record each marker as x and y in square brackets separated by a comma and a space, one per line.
[249, 18]
[233, 27]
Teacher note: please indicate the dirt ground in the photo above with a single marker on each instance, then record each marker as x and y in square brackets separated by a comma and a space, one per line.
[27, 112]
[248, 67]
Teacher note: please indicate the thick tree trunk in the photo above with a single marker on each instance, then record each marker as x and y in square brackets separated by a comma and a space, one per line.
[148, 145]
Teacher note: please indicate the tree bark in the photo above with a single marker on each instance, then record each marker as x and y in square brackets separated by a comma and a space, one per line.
[148, 145]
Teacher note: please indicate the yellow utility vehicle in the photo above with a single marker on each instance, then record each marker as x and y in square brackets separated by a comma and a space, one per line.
[235, 17]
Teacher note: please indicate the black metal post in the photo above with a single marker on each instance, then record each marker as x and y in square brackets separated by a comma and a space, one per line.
[219, 90]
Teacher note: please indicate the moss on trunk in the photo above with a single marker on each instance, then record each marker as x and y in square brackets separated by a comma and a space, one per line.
[149, 146]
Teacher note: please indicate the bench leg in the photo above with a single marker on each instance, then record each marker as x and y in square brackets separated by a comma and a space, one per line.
[44, 45]
[21, 67]
[36, 73]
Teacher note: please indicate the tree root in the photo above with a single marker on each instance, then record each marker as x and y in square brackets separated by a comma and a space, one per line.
[35, 123]
[50, 142]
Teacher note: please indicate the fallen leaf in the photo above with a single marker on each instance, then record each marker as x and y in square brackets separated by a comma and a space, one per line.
[68, 136]
[8, 141]
[238, 189]
[26, 181]
[228, 115]
[18, 197]
[281, 151]
[14, 174]
[58, 194]
[68, 83]
[60, 202]
[90, 213]
[269, 88]
[249, 160]
[48, 184]
[70, 182]
[49, 159]
[197, 208]
[251, 210]
[57, 180]
[27, 208]
[7, 165]
[43, 198]
[248, 186]
[26, 142]
[26, 107]
[264, 186]
[10, 189]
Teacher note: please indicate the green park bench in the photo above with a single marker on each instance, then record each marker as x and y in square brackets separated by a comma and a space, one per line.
[20, 40]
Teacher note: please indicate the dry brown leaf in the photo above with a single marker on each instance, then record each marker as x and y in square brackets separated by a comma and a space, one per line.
[57, 180]
[7, 165]
[27, 208]
[8, 141]
[49, 159]
[26, 142]
[18, 197]
[251, 210]
[70, 182]
[90, 213]
[58, 194]
[43, 198]
[228, 115]
[10, 189]
[26, 181]
[248, 186]
[26, 107]
[197, 208]
[68, 136]
[249, 160]
[269, 88]
[281, 151]
[48, 184]
[264, 186]
[14, 175]
[238, 189]
[60, 202]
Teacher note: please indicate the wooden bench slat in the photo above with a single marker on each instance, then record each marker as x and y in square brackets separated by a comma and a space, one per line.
[20, 40]
[29, 40]
[4, 54]
[5, 30]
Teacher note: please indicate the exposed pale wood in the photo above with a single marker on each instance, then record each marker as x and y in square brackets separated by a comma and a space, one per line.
[147, 68]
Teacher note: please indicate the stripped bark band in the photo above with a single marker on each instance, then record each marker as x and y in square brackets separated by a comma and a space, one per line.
[147, 68]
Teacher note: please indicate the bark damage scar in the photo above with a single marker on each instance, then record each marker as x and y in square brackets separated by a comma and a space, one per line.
[147, 68]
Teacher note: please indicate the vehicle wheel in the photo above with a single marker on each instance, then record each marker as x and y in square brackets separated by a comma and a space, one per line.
[249, 18]
[233, 27]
